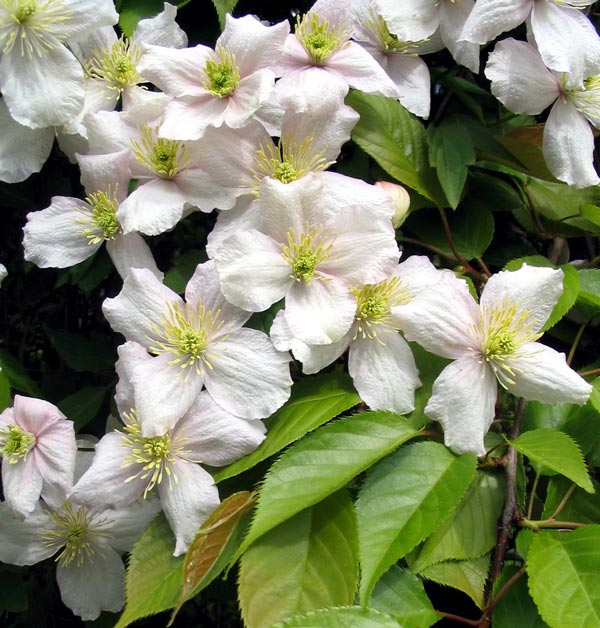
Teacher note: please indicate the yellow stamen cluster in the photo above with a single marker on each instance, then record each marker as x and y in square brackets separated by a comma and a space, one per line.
[15, 443]
[319, 38]
[165, 158]
[305, 251]
[386, 41]
[116, 66]
[104, 217]
[222, 75]
[587, 100]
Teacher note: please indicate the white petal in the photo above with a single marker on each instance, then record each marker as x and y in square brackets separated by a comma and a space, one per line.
[187, 501]
[489, 18]
[542, 374]
[187, 117]
[22, 484]
[129, 251]
[520, 80]
[534, 291]
[126, 524]
[130, 353]
[21, 542]
[249, 377]
[411, 77]
[417, 273]
[89, 15]
[384, 372]
[452, 19]
[141, 306]
[463, 400]
[305, 89]
[569, 146]
[161, 30]
[322, 312]
[412, 20]
[335, 12]
[242, 217]
[106, 173]
[252, 93]
[55, 452]
[198, 188]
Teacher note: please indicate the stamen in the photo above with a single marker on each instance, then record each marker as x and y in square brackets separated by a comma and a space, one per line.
[104, 221]
[163, 157]
[116, 66]
[222, 75]
[306, 251]
[319, 38]
[587, 100]
[15, 443]
[384, 40]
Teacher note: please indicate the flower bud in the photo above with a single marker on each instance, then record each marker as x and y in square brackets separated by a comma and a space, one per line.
[400, 198]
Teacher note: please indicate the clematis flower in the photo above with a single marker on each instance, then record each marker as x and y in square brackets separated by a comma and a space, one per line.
[3, 272]
[37, 444]
[227, 85]
[200, 343]
[87, 545]
[380, 361]
[127, 465]
[521, 81]
[311, 256]
[566, 39]
[40, 79]
[491, 342]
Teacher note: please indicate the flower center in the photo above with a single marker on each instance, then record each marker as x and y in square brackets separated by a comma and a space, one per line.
[319, 38]
[387, 42]
[24, 11]
[222, 75]
[117, 66]
[587, 100]
[306, 251]
[104, 222]
[15, 443]
[186, 333]
[76, 532]
[165, 158]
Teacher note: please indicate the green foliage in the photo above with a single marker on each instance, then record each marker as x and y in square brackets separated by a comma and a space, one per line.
[82, 354]
[223, 7]
[516, 608]
[307, 563]
[563, 572]
[132, 11]
[588, 300]
[83, 406]
[348, 617]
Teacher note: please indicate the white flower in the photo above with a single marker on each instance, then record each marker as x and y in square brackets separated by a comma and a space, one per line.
[227, 85]
[40, 79]
[311, 256]
[199, 343]
[493, 341]
[37, 444]
[566, 39]
[521, 81]
[3, 272]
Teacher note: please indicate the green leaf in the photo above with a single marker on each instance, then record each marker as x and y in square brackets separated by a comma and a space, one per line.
[400, 593]
[471, 530]
[348, 617]
[468, 576]
[17, 375]
[132, 11]
[558, 452]
[314, 401]
[83, 406]
[306, 563]
[591, 213]
[580, 506]
[451, 151]
[223, 7]
[588, 300]
[82, 354]
[324, 462]
[184, 267]
[214, 545]
[5, 396]
[403, 499]
[154, 575]
[397, 141]
[563, 570]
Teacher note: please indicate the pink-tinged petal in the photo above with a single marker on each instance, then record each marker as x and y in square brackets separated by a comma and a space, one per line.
[141, 306]
[542, 374]
[566, 39]
[242, 217]
[252, 272]
[96, 585]
[252, 93]
[442, 318]
[412, 20]
[411, 77]
[34, 148]
[106, 172]
[384, 371]
[217, 437]
[417, 273]
[313, 357]
[322, 312]
[569, 146]
[308, 88]
[130, 353]
[204, 289]
[34, 415]
[199, 189]
[177, 72]
[533, 290]
[129, 251]
[254, 45]
[187, 501]
[163, 393]
[452, 20]
[126, 524]
[335, 12]
[21, 542]
[361, 71]
[489, 18]
[249, 377]
[54, 237]
[188, 117]
[463, 400]
[22, 484]
[108, 132]
[42, 91]
[161, 30]
[54, 453]
[110, 482]
[520, 80]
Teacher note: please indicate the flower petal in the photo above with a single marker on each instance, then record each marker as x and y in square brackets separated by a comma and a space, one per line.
[489, 18]
[129, 251]
[21, 542]
[22, 485]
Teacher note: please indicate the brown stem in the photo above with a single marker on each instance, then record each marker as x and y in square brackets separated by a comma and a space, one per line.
[462, 620]
[430, 247]
[536, 217]
[532, 497]
[563, 502]
[576, 341]
[503, 590]
[550, 523]
[589, 373]
[484, 267]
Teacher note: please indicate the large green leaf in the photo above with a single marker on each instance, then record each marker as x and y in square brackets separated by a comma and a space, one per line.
[400, 593]
[403, 499]
[588, 299]
[556, 451]
[450, 152]
[17, 375]
[306, 563]
[154, 575]
[324, 462]
[132, 11]
[580, 506]
[314, 401]
[83, 354]
[397, 141]
[563, 570]
[348, 617]
[83, 406]
[471, 530]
